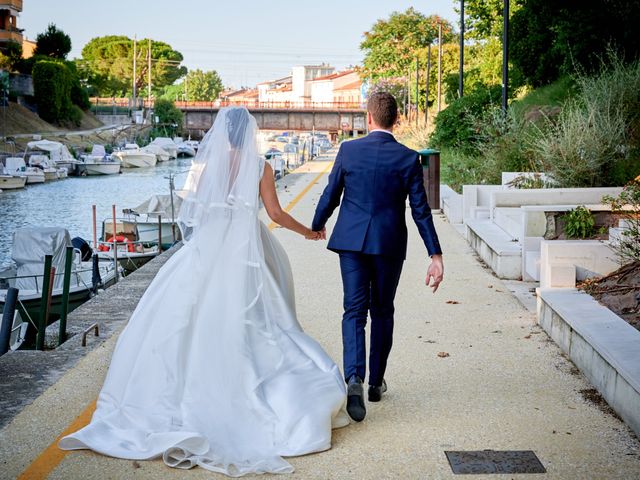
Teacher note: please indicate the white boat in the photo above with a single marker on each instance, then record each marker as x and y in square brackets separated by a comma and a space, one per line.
[193, 144]
[146, 216]
[59, 155]
[158, 151]
[11, 182]
[99, 163]
[132, 157]
[186, 150]
[167, 144]
[42, 162]
[131, 251]
[16, 166]
[30, 245]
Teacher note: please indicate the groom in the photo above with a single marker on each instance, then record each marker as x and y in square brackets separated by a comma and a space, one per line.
[374, 175]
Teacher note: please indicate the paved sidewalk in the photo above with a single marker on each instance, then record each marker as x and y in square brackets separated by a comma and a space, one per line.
[503, 385]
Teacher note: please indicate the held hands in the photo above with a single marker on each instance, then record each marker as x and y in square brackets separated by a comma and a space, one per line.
[435, 273]
[320, 235]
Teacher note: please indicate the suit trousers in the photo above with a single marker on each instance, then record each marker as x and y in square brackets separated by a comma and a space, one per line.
[370, 283]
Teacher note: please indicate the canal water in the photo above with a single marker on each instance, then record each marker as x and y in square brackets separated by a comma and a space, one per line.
[67, 203]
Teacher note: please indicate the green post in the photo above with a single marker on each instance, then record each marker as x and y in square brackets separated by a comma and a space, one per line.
[44, 302]
[62, 336]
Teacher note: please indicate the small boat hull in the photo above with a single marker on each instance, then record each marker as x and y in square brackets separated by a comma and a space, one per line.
[35, 178]
[107, 168]
[30, 304]
[10, 182]
[137, 160]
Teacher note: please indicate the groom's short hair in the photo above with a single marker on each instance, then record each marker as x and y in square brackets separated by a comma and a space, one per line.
[383, 108]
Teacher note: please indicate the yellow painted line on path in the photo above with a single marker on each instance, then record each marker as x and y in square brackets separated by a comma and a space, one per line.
[52, 456]
[293, 202]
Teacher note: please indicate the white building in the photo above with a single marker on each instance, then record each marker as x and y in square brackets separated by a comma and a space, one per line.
[302, 76]
[339, 87]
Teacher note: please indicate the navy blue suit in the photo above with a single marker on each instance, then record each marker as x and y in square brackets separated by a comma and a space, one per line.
[373, 175]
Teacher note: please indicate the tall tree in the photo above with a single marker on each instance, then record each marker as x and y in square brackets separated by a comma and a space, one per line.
[202, 86]
[391, 46]
[107, 65]
[551, 38]
[53, 43]
[484, 18]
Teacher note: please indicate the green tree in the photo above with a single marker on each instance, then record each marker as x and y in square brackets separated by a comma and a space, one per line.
[391, 46]
[107, 65]
[53, 43]
[483, 19]
[202, 86]
[550, 39]
[11, 56]
[167, 113]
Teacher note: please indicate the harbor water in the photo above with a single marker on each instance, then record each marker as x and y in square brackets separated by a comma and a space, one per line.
[67, 202]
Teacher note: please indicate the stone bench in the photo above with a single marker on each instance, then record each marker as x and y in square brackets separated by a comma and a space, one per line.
[562, 262]
[495, 247]
[602, 345]
[451, 204]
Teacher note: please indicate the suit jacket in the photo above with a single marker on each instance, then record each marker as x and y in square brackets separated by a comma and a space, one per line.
[376, 174]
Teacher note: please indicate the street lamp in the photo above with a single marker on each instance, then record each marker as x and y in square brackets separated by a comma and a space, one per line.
[461, 74]
[505, 55]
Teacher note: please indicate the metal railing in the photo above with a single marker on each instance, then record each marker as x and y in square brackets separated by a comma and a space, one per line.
[125, 105]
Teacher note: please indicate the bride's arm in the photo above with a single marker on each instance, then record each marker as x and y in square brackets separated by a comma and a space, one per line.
[275, 211]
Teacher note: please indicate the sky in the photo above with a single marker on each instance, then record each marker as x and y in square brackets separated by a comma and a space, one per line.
[245, 41]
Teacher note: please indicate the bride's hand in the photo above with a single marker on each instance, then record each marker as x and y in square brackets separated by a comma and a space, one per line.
[311, 235]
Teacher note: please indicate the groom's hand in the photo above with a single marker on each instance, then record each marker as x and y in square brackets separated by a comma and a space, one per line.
[435, 273]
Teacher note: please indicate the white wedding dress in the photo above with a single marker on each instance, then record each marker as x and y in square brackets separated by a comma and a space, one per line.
[213, 368]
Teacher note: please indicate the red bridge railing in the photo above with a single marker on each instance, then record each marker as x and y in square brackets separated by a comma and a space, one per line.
[144, 103]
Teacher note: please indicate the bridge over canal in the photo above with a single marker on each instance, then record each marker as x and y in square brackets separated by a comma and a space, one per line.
[336, 120]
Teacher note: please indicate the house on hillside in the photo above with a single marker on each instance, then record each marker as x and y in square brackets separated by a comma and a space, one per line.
[9, 31]
[338, 87]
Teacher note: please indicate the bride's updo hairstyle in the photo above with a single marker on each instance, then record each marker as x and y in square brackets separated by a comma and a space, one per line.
[237, 121]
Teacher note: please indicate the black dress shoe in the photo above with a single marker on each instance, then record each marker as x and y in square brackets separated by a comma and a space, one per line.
[355, 399]
[375, 393]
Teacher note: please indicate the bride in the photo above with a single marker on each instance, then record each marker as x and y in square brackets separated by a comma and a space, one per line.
[213, 368]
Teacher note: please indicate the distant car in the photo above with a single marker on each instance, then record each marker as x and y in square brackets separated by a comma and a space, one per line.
[282, 139]
[323, 144]
[272, 153]
[290, 148]
[294, 141]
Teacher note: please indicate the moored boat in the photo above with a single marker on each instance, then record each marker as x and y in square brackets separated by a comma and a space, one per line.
[99, 163]
[16, 166]
[11, 182]
[167, 144]
[133, 157]
[130, 250]
[30, 245]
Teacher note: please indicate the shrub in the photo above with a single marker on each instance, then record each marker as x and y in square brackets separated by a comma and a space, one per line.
[168, 113]
[456, 125]
[579, 223]
[52, 89]
[628, 205]
[596, 139]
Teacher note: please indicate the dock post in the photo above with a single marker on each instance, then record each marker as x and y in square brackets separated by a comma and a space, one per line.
[115, 243]
[159, 234]
[95, 274]
[44, 302]
[62, 335]
[7, 319]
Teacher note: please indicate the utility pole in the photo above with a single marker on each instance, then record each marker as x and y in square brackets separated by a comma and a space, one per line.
[135, 53]
[407, 110]
[505, 56]
[426, 101]
[417, 88]
[439, 64]
[149, 69]
[461, 79]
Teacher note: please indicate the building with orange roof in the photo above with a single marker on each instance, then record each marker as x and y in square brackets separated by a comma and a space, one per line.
[9, 31]
[339, 87]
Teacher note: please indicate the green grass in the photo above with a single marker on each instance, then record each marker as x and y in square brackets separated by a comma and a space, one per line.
[552, 95]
